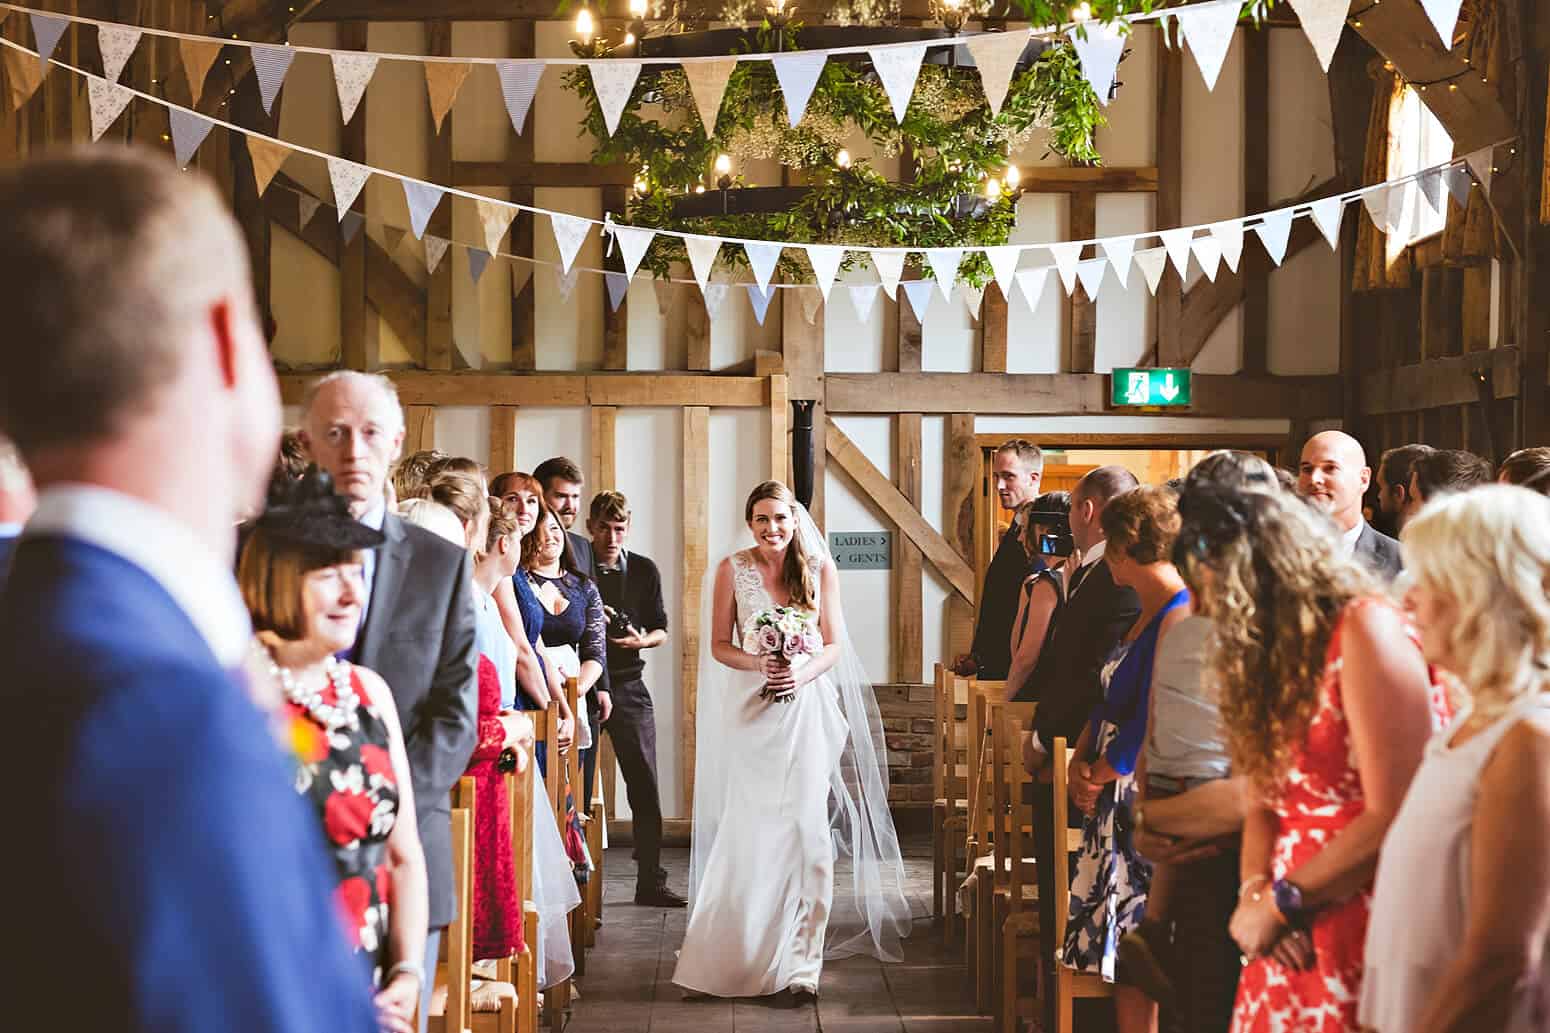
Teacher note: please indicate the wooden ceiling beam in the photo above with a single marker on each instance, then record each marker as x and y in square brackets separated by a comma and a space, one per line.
[1454, 380]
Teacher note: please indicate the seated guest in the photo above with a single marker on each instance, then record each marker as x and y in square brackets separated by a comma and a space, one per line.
[300, 573]
[1016, 467]
[1527, 468]
[1445, 470]
[411, 472]
[464, 494]
[1328, 703]
[1110, 882]
[434, 517]
[155, 829]
[1461, 909]
[1394, 471]
[17, 501]
[1333, 476]
[1046, 540]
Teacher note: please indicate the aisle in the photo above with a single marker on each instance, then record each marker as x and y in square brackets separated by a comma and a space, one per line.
[629, 987]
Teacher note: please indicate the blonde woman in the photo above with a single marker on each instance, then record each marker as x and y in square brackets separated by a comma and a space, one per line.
[1461, 911]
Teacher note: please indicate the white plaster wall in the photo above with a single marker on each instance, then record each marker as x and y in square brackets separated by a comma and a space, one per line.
[868, 594]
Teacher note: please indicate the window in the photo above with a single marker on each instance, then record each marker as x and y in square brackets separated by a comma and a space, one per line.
[1416, 141]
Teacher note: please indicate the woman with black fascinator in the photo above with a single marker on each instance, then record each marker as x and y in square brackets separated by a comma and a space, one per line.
[301, 575]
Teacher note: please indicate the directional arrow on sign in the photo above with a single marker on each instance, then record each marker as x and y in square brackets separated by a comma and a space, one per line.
[1169, 390]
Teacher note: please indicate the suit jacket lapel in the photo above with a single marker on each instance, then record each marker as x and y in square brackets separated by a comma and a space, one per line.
[392, 558]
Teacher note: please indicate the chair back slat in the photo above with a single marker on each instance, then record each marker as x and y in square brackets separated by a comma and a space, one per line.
[1006, 737]
[459, 933]
[1059, 757]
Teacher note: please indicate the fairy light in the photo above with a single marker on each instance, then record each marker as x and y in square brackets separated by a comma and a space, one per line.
[992, 189]
[584, 27]
[638, 8]
[842, 159]
[1082, 12]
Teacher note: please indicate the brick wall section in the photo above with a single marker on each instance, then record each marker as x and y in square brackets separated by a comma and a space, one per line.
[907, 712]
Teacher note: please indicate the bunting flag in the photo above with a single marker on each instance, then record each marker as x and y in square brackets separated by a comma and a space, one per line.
[188, 132]
[1430, 184]
[1119, 250]
[1322, 22]
[1398, 206]
[1099, 48]
[617, 285]
[1176, 242]
[702, 256]
[1003, 265]
[349, 225]
[919, 294]
[443, 82]
[862, 297]
[812, 303]
[1208, 252]
[1152, 262]
[666, 291]
[271, 64]
[944, 262]
[495, 219]
[521, 275]
[569, 234]
[898, 68]
[613, 81]
[762, 258]
[23, 77]
[1229, 241]
[890, 267]
[306, 207]
[973, 301]
[1457, 180]
[708, 84]
[519, 84]
[422, 199]
[798, 74]
[1066, 255]
[1032, 282]
[346, 178]
[198, 55]
[1090, 275]
[715, 296]
[108, 101]
[116, 43]
[393, 237]
[46, 30]
[1274, 229]
[477, 260]
[564, 283]
[633, 243]
[1444, 16]
[826, 260]
[1208, 30]
[351, 74]
[759, 297]
[267, 157]
[435, 251]
[1376, 201]
[1327, 215]
[996, 55]
[1479, 163]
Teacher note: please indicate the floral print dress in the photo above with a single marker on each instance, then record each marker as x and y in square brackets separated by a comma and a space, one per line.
[347, 776]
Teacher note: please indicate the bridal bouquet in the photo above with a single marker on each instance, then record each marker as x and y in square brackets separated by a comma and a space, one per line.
[788, 633]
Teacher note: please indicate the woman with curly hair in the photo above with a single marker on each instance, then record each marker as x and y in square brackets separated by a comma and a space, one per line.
[1328, 704]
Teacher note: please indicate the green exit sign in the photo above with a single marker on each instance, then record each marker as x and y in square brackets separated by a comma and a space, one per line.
[1150, 387]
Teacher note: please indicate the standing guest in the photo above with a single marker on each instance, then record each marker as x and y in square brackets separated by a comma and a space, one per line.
[1527, 468]
[411, 473]
[1017, 467]
[418, 628]
[1333, 476]
[1469, 842]
[161, 831]
[631, 590]
[1110, 883]
[1394, 484]
[1328, 703]
[1443, 471]
[573, 609]
[300, 574]
[18, 499]
[1047, 539]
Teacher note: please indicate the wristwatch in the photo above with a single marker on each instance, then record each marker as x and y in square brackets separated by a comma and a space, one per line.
[1288, 899]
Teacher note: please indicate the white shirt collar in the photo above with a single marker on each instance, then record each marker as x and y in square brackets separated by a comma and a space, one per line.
[10, 530]
[1348, 539]
[199, 581]
[375, 516]
[1094, 554]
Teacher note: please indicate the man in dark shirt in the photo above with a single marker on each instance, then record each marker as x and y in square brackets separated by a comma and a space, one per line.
[1017, 467]
[631, 589]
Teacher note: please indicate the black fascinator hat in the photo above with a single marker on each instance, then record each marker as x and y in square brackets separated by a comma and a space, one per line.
[307, 511]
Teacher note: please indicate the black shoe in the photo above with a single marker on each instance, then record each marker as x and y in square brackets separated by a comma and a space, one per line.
[661, 896]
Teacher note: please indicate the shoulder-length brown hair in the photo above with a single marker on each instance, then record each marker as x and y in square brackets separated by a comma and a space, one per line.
[270, 574]
[530, 542]
[796, 574]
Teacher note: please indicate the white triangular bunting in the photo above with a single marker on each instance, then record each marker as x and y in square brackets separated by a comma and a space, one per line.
[762, 258]
[306, 207]
[898, 68]
[188, 132]
[1119, 250]
[825, 260]
[519, 84]
[46, 30]
[1479, 163]
[1031, 282]
[116, 43]
[1444, 16]
[1327, 214]
[667, 295]
[1177, 244]
[1229, 240]
[1400, 195]
[495, 218]
[564, 283]
[1430, 184]
[708, 84]
[1322, 22]
[1099, 53]
[1152, 262]
[422, 199]
[569, 234]
[270, 65]
[1208, 253]
[477, 260]
[862, 297]
[108, 101]
[1274, 230]
[759, 297]
[346, 178]
[944, 262]
[812, 302]
[715, 295]
[919, 294]
[973, 300]
[633, 243]
[1090, 275]
[798, 74]
[890, 267]
[702, 256]
[1457, 180]
[1003, 265]
[1208, 30]
[1066, 256]
[618, 285]
[351, 74]
[350, 225]
[613, 81]
[996, 55]
[1376, 201]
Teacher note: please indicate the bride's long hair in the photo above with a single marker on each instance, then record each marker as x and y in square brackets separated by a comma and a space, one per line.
[797, 571]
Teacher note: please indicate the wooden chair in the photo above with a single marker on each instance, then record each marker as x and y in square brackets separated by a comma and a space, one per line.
[522, 971]
[1000, 757]
[1069, 983]
[977, 839]
[1017, 909]
[950, 795]
[580, 919]
[546, 730]
[596, 819]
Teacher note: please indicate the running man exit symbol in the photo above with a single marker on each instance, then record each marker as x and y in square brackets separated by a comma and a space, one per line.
[1150, 387]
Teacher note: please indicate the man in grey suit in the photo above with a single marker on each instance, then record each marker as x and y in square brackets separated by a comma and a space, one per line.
[417, 630]
[1333, 476]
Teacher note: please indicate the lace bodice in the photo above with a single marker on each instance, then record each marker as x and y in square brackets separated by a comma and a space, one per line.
[750, 595]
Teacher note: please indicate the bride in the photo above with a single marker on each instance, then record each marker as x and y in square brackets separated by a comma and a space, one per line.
[794, 856]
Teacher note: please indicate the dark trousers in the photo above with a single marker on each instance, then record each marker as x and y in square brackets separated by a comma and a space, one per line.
[589, 756]
[633, 730]
[1204, 964]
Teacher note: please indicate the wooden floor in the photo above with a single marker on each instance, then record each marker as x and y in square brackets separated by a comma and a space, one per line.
[629, 989]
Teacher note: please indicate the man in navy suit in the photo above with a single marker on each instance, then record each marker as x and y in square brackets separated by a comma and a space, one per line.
[17, 501]
[155, 827]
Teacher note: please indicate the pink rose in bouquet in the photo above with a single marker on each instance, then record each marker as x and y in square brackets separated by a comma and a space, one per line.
[787, 633]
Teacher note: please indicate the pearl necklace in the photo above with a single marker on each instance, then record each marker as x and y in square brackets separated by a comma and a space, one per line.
[341, 714]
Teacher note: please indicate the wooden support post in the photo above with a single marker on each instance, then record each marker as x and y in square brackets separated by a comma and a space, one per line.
[419, 428]
[993, 333]
[961, 480]
[616, 322]
[1169, 213]
[524, 320]
[356, 324]
[696, 552]
[908, 587]
[604, 474]
[438, 309]
[1082, 345]
[1256, 197]
[780, 429]
[503, 439]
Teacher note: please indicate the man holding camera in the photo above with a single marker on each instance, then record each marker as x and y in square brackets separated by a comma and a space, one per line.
[631, 589]
[1017, 467]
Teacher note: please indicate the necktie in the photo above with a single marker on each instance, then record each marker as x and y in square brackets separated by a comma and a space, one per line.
[1081, 577]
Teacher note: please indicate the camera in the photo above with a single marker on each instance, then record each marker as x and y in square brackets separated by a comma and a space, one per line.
[1055, 537]
[620, 623]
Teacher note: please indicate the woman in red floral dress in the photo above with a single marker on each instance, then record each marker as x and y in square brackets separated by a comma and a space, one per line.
[1328, 704]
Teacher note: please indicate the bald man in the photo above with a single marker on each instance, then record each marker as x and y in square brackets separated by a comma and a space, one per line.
[1333, 476]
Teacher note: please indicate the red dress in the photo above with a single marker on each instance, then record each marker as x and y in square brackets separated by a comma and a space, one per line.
[497, 911]
[1320, 794]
